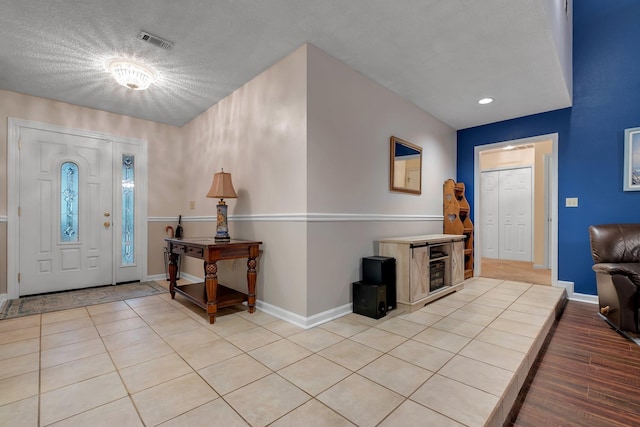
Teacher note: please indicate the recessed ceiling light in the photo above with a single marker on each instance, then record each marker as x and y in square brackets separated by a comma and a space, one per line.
[484, 101]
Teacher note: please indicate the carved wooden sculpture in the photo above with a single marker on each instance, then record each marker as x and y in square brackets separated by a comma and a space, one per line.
[457, 221]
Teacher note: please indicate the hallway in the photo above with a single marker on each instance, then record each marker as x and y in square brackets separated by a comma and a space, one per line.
[518, 271]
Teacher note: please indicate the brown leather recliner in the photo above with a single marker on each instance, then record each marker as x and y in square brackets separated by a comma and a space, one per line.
[615, 249]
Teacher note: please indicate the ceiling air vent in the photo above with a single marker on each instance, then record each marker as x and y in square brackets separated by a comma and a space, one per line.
[156, 41]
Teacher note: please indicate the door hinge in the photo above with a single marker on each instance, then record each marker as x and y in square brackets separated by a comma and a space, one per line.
[19, 210]
[19, 143]
[18, 277]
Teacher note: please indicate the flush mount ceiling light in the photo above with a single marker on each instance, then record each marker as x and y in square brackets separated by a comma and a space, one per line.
[130, 74]
[485, 101]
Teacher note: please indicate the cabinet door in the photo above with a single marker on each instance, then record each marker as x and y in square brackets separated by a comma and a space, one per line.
[457, 263]
[419, 273]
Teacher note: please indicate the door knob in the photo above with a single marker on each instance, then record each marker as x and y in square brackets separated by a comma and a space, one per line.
[107, 214]
[107, 224]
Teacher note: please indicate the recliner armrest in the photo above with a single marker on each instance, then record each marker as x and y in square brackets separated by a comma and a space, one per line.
[630, 270]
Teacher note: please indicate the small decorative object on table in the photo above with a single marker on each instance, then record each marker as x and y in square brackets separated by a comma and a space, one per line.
[179, 230]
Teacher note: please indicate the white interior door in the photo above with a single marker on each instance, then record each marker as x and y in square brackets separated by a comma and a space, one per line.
[506, 214]
[489, 220]
[515, 214]
[65, 208]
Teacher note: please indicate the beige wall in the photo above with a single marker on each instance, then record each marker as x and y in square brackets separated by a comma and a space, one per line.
[541, 149]
[258, 134]
[3, 257]
[350, 121]
[311, 136]
[164, 154]
[501, 159]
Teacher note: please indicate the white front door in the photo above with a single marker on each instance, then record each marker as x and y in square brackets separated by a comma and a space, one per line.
[65, 208]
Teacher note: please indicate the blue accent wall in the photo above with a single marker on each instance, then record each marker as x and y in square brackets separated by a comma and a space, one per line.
[606, 101]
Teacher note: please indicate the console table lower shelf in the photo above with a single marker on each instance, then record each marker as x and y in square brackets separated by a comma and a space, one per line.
[197, 293]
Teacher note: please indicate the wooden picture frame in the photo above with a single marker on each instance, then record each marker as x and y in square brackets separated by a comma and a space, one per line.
[631, 181]
[405, 170]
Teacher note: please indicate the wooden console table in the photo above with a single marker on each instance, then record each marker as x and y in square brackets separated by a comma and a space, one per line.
[209, 294]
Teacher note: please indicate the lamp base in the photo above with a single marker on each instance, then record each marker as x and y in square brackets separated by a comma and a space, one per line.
[222, 230]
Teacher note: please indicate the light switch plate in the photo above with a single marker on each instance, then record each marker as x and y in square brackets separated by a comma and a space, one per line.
[571, 202]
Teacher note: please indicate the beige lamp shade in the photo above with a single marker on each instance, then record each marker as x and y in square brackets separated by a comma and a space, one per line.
[222, 187]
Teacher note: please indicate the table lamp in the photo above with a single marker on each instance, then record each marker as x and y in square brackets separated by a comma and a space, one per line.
[222, 188]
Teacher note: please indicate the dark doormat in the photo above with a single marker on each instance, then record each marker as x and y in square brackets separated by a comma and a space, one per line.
[45, 303]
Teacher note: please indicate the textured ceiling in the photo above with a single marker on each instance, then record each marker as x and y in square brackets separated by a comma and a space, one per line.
[442, 55]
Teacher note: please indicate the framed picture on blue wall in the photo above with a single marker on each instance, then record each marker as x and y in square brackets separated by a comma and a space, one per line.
[632, 159]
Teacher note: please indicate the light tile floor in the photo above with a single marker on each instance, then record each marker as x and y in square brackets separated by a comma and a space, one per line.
[460, 360]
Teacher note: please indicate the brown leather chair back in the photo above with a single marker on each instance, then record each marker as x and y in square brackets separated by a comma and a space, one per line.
[615, 243]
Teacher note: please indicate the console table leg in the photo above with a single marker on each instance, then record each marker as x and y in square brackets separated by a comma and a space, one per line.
[251, 278]
[211, 289]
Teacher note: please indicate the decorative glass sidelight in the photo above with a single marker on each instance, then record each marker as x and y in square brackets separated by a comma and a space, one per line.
[128, 209]
[69, 202]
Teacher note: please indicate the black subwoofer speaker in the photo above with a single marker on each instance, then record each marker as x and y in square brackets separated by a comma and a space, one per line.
[370, 300]
[381, 270]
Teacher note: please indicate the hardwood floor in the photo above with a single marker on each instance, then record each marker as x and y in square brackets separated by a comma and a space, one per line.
[586, 375]
[514, 270]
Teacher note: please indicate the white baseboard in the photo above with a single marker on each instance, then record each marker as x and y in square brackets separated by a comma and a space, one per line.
[568, 286]
[301, 321]
[573, 296]
[280, 313]
[191, 278]
[185, 276]
[591, 299]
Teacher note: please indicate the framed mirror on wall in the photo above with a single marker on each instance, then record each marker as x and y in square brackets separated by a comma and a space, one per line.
[406, 167]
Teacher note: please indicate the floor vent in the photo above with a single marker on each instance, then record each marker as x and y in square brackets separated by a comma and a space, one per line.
[154, 40]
